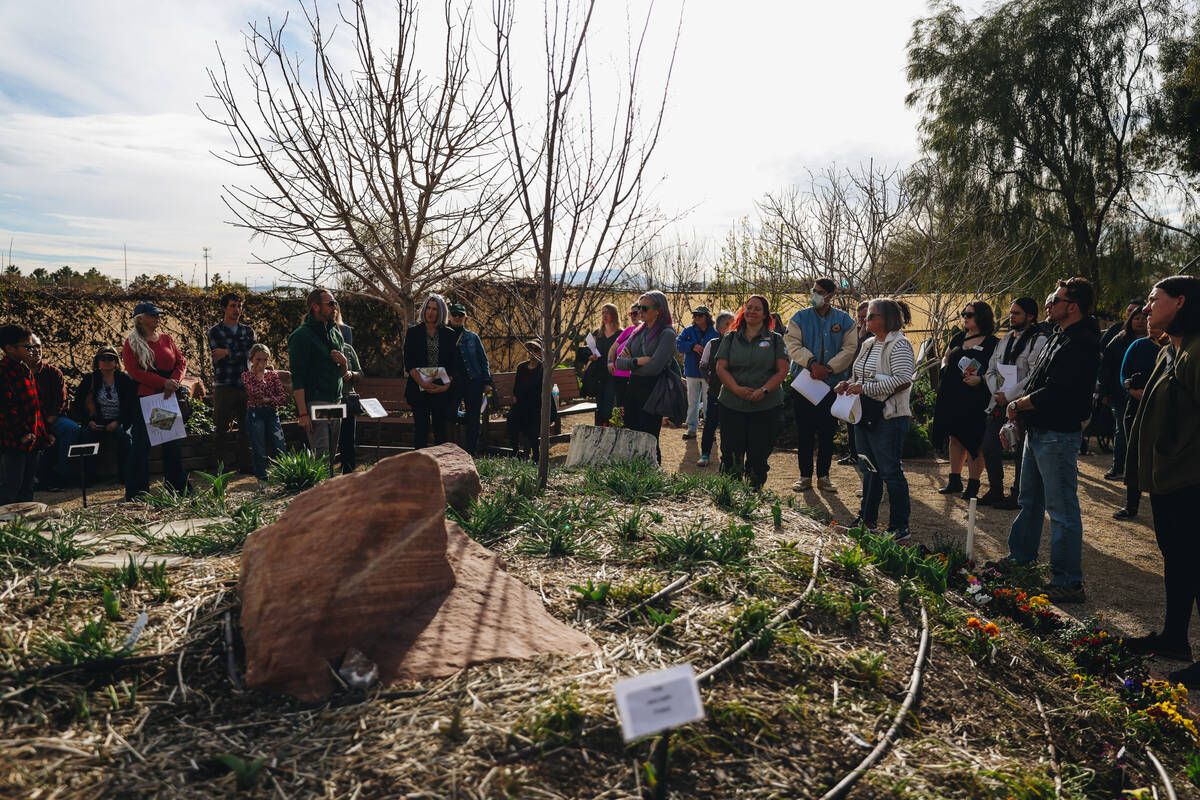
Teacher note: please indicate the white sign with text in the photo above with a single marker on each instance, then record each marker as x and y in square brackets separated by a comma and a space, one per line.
[655, 701]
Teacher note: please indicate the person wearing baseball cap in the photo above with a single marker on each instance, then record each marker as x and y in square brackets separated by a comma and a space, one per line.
[474, 378]
[691, 343]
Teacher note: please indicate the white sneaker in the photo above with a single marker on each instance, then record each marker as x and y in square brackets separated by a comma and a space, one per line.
[826, 485]
[802, 484]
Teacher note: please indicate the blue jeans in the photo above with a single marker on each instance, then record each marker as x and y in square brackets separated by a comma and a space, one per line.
[697, 388]
[263, 425]
[1050, 482]
[1117, 404]
[883, 448]
[66, 433]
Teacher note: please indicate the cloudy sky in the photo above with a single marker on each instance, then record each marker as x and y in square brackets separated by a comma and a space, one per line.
[103, 144]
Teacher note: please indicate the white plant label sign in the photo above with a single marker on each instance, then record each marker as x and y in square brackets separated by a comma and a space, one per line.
[655, 701]
[373, 407]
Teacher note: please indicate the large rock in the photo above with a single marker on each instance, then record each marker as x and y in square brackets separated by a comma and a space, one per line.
[30, 511]
[591, 444]
[367, 561]
[460, 479]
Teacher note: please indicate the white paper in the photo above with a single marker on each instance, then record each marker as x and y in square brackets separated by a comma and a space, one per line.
[1006, 376]
[80, 450]
[847, 407]
[590, 341]
[969, 366]
[373, 407]
[810, 387]
[655, 701]
[428, 380]
[164, 420]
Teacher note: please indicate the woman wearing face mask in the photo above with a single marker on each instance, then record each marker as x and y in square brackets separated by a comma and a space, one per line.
[105, 406]
[963, 396]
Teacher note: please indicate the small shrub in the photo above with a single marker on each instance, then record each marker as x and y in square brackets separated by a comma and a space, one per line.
[556, 721]
[734, 496]
[751, 624]
[661, 619]
[487, 519]
[852, 560]
[637, 590]
[630, 528]
[917, 443]
[90, 643]
[297, 470]
[633, 481]
[561, 529]
[682, 546]
[867, 667]
[592, 593]
[112, 606]
[201, 420]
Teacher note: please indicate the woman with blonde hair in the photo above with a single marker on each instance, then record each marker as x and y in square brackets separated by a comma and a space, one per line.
[264, 395]
[597, 381]
[155, 363]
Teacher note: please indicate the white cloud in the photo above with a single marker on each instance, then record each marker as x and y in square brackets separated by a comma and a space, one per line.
[104, 145]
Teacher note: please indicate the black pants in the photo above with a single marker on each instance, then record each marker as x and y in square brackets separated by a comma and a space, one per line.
[470, 394]
[16, 475]
[346, 444]
[811, 422]
[636, 419]
[137, 472]
[712, 419]
[530, 429]
[747, 438]
[430, 414]
[1175, 529]
[992, 452]
[850, 443]
[119, 437]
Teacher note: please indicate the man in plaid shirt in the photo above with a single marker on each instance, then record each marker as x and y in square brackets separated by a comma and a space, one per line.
[21, 428]
[230, 343]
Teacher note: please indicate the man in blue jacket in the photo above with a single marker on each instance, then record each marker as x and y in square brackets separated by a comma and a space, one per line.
[822, 339]
[476, 378]
[691, 343]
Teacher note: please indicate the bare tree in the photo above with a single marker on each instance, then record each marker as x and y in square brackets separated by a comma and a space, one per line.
[579, 175]
[381, 172]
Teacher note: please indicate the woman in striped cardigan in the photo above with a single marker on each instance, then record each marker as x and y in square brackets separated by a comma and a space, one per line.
[884, 371]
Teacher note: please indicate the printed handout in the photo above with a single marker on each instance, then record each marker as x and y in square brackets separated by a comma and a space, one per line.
[164, 420]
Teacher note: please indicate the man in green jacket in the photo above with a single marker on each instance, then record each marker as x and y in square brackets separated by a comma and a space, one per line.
[318, 363]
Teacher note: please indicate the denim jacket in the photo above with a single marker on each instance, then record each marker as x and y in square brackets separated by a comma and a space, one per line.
[474, 359]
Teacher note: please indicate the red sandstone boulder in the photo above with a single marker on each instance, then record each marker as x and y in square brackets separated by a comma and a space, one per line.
[460, 479]
[367, 561]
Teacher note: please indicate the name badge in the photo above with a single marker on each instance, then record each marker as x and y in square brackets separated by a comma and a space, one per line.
[764, 344]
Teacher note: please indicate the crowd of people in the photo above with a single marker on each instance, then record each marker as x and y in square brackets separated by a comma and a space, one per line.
[1031, 391]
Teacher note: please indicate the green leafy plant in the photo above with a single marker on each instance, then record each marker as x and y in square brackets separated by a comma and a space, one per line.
[157, 581]
[682, 545]
[633, 481]
[852, 560]
[661, 619]
[112, 605]
[163, 498]
[630, 528]
[525, 485]
[217, 483]
[868, 666]
[732, 546]
[777, 514]
[733, 495]
[592, 593]
[487, 519]
[219, 538]
[560, 529]
[201, 422]
[245, 772]
[858, 603]
[751, 624]
[26, 545]
[297, 470]
[90, 643]
[556, 721]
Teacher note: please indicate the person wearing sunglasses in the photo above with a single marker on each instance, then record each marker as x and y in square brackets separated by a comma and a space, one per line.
[1057, 400]
[1161, 459]
[317, 360]
[21, 427]
[621, 376]
[649, 351]
[963, 396]
[105, 405]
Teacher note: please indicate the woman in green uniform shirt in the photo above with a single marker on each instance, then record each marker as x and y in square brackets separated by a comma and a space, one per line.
[752, 363]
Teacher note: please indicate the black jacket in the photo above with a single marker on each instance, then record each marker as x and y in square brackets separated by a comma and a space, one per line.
[1061, 380]
[85, 412]
[415, 356]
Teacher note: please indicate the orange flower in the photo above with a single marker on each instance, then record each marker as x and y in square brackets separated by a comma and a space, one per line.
[974, 623]
[991, 630]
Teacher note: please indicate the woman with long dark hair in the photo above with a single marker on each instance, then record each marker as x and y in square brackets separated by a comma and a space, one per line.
[621, 376]
[647, 352]
[752, 363]
[429, 344]
[1161, 458]
[1112, 389]
[963, 396]
[105, 406]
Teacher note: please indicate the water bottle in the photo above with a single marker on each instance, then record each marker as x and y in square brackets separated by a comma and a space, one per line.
[554, 394]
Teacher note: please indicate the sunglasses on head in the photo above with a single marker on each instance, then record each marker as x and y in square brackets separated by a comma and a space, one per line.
[647, 308]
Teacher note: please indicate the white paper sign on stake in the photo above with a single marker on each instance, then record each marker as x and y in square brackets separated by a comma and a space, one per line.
[847, 407]
[655, 701]
[810, 387]
[80, 450]
[590, 341]
[373, 407]
[164, 420]
[327, 411]
[1007, 376]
